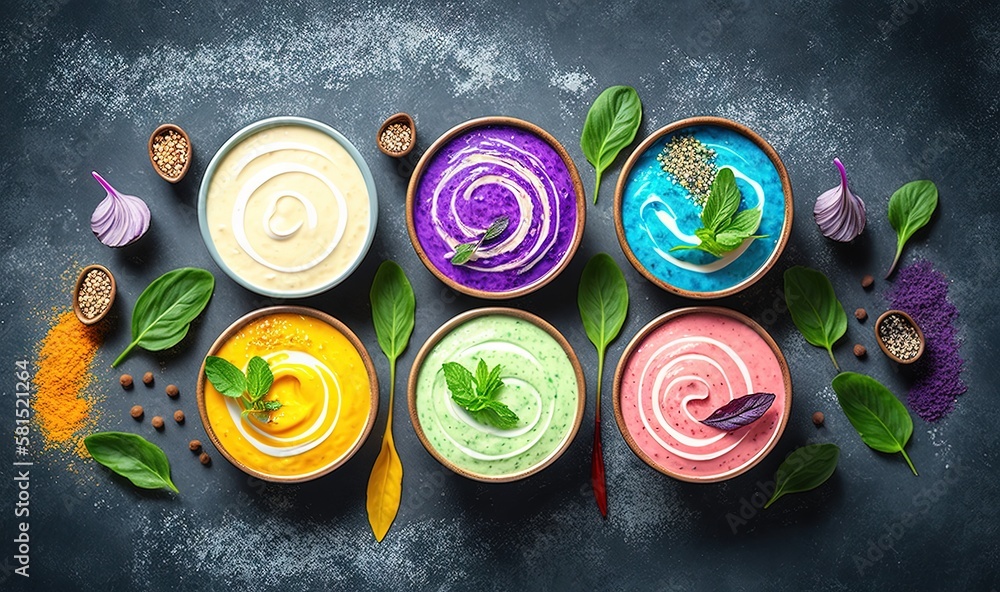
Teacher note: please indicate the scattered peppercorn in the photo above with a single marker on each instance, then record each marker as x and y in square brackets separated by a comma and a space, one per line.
[170, 152]
[172, 391]
[818, 418]
[179, 416]
[205, 459]
[126, 381]
[860, 350]
[157, 422]
[861, 314]
[194, 446]
[136, 412]
[95, 293]
[867, 282]
[396, 137]
[147, 378]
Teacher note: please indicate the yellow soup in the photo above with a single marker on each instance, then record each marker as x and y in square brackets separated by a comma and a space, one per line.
[324, 388]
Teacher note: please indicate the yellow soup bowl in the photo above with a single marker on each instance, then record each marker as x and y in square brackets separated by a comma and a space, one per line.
[324, 380]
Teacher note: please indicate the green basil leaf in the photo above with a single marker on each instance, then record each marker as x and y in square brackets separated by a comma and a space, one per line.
[814, 307]
[225, 376]
[495, 229]
[722, 202]
[259, 378]
[882, 421]
[459, 381]
[805, 468]
[463, 253]
[132, 457]
[393, 306]
[745, 222]
[910, 209]
[165, 309]
[611, 124]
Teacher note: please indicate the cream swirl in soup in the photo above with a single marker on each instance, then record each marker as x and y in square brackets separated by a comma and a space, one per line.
[288, 210]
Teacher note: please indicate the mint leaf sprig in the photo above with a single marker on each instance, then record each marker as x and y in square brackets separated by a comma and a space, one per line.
[477, 394]
[465, 251]
[249, 390]
[723, 227]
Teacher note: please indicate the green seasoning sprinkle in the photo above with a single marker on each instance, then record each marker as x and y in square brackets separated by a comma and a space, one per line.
[691, 165]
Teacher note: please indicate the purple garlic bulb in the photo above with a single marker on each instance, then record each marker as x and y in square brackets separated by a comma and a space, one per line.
[839, 213]
[119, 219]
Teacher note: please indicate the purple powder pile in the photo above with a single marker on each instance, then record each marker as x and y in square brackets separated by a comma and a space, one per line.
[922, 292]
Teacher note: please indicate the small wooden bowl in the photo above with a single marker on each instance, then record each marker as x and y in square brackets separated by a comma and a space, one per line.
[406, 120]
[166, 127]
[76, 294]
[882, 346]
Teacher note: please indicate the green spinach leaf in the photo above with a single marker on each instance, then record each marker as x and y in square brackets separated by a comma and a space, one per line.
[603, 301]
[165, 309]
[806, 468]
[877, 415]
[910, 209]
[814, 307]
[393, 305]
[611, 125]
[133, 457]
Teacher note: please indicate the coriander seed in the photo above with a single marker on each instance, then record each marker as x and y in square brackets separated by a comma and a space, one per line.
[125, 381]
[205, 459]
[818, 418]
[94, 296]
[861, 314]
[172, 391]
[194, 446]
[860, 350]
[396, 137]
[147, 378]
[136, 412]
[867, 282]
[157, 422]
[179, 416]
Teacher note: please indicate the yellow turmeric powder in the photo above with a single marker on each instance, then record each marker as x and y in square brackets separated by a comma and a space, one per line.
[62, 408]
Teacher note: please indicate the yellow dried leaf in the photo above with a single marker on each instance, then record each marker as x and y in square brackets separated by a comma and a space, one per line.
[385, 487]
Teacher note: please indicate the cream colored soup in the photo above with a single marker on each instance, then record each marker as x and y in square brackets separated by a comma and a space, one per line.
[288, 209]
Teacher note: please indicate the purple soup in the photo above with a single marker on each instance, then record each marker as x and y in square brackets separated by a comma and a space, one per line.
[481, 174]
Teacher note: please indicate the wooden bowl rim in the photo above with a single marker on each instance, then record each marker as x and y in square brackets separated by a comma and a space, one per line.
[448, 327]
[76, 294]
[238, 325]
[581, 205]
[190, 151]
[637, 341]
[786, 187]
[881, 344]
[400, 117]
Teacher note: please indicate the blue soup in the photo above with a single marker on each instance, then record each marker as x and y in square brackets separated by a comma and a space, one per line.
[661, 210]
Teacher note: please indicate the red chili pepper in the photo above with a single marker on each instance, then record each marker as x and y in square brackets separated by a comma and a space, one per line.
[597, 472]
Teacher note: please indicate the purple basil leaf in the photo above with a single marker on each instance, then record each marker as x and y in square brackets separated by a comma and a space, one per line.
[740, 412]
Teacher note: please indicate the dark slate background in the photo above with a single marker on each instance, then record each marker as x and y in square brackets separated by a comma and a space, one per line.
[899, 90]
